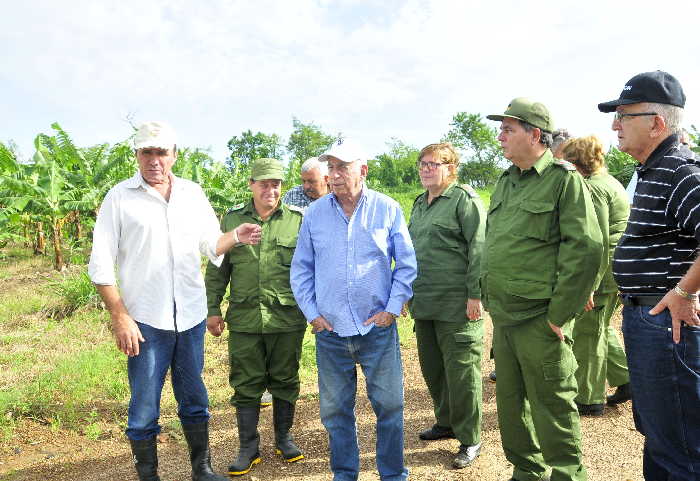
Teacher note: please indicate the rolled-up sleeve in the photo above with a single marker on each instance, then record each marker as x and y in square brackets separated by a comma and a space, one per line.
[302, 275]
[405, 269]
[105, 242]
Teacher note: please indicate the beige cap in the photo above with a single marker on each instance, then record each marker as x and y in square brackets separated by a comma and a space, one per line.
[155, 134]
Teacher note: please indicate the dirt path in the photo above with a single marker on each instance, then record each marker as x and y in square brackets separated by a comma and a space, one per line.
[612, 447]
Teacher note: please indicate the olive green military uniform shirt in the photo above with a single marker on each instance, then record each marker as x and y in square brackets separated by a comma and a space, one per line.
[543, 246]
[448, 236]
[612, 209]
[261, 299]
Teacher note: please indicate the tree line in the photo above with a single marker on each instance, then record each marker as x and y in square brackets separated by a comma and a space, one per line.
[53, 198]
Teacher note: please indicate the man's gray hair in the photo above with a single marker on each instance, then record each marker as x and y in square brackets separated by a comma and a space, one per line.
[673, 115]
[559, 137]
[313, 163]
[545, 137]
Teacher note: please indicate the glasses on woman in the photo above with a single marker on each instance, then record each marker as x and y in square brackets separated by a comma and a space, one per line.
[430, 166]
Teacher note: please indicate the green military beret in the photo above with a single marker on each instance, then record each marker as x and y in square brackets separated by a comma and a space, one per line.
[534, 113]
[264, 169]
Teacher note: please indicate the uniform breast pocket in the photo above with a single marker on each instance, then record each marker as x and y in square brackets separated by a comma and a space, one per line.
[445, 233]
[534, 219]
[285, 249]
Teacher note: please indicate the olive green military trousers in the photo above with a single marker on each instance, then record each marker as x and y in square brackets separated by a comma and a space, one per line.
[535, 393]
[450, 359]
[264, 361]
[598, 351]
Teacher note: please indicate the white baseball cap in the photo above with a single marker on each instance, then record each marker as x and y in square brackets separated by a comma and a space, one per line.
[345, 150]
[155, 134]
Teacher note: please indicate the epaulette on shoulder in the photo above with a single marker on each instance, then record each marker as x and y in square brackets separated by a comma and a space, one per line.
[418, 197]
[236, 207]
[469, 190]
[295, 208]
[565, 164]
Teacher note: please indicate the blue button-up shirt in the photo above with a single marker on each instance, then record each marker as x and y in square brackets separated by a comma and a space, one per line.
[342, 268]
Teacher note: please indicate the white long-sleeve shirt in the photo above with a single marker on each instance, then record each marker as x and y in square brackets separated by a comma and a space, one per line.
[156, 246]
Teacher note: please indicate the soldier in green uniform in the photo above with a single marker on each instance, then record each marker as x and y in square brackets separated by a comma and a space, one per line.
[266, 328]
[596, 346]
[542, 253]
[447, 228]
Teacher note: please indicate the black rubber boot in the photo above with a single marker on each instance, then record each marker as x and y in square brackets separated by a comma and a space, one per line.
[197, 436]
[283, 417]
[145, 458]
[248, 440]
[590, 409]
[622, 394]
[436, 432]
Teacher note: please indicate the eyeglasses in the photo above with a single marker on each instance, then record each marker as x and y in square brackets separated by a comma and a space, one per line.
[428, 165]
[620, 116]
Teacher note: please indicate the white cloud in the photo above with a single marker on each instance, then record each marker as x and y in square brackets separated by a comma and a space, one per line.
[374, 70]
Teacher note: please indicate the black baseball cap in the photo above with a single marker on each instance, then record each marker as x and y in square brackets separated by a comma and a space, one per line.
[657, 87]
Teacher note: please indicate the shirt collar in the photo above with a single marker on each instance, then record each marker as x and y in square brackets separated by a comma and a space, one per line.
[539, 166]
[137, 180]
[659, 152]
[449, 190]
[249, 209]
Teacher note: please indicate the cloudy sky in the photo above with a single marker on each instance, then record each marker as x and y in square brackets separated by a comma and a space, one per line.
[371, 69]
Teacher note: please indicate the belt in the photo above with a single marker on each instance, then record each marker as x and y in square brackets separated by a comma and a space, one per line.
[641, 300]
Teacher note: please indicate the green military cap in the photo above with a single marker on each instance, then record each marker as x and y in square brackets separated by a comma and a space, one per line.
[264, 169]
[534, 113]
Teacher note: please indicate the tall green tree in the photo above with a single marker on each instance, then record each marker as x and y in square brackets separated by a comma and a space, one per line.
[249, 146]
[395, 168]
[482, 159]
[306, 140]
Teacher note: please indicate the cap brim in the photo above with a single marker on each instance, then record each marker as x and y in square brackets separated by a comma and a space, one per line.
[500, 117]
[154, 145]
[608, 107]
[269, 177]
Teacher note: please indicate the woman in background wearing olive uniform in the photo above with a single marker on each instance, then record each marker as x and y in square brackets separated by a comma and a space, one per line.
[447, 228]
[597, 349]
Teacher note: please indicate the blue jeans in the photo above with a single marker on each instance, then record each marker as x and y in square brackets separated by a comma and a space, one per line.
[183, 352]
[378, 354]
[665, 381]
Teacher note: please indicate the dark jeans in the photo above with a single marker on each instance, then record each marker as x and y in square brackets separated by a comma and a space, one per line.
[665, 381]
[183, 353]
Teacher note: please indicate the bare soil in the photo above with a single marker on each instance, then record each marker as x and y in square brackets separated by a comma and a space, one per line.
[612, 448]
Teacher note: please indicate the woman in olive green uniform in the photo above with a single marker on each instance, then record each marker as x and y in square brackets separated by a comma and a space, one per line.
[447, 228]
[597, 349]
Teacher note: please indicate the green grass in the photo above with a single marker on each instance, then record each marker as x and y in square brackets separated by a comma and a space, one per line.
[76, 290]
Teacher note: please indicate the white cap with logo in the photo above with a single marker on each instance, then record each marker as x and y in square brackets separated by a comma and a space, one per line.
[345, 150]
[155, 134]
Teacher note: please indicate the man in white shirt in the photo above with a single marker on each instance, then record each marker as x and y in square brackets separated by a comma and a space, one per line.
[154, 227]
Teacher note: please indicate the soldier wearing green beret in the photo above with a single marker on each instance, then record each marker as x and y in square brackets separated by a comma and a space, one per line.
[542, 254]
[447, 229]
[266, 328]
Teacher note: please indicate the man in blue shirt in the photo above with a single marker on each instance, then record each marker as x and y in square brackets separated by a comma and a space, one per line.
[343, 281]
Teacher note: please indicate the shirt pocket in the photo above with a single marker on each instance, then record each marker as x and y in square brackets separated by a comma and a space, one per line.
[445, 232]
[534, 219]
[285, 249]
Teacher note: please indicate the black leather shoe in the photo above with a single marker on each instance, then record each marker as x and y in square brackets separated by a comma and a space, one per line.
[466, 455]
[622, 394]
[590, 409]
[436, 432]
[492, 376]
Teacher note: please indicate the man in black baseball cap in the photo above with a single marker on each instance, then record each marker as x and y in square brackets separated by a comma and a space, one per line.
[658, 274]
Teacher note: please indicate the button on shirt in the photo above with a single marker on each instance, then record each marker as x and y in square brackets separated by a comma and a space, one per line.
[157, 247]
[342, 268]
